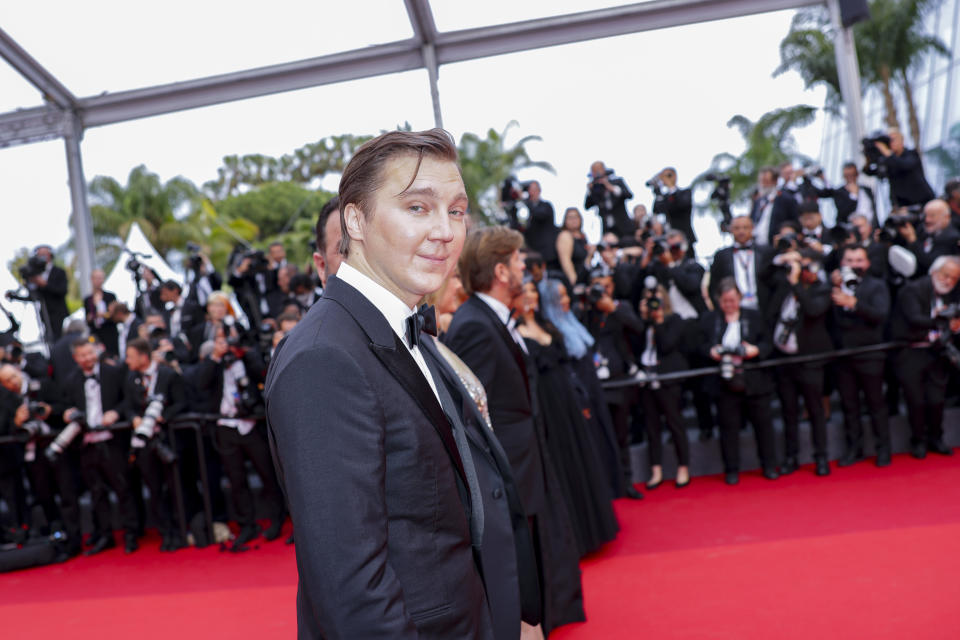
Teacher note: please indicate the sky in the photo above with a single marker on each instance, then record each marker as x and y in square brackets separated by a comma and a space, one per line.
[638, 102]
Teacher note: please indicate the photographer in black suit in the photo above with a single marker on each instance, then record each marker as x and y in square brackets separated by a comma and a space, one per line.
[181, 314]
[96, 390]
[926, 311]
[937, 237]
[771, 207]
[850, 198]
[798, 313]
[541, 232]
[609, 194]
[49, 286]
[674, 203]
[746, 262]
[150, 382]
[861, 304]
[96, 307]
[904, 171]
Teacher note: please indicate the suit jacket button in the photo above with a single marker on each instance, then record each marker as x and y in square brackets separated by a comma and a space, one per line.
[497, 493]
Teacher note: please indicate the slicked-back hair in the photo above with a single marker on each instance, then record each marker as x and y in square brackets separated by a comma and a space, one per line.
[483, 250]
[333, 204]
[364, 173]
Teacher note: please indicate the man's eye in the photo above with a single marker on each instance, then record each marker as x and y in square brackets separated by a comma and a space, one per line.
[457, 213]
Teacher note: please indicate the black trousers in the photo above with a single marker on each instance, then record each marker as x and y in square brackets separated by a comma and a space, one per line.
[923, 377]
[103, 466]
[620, 414]
[853, 377]
[665, 402]
[12, 490]
[235, 449]
[159, 480]
[793, 382]
[731, 410]
[49, 479]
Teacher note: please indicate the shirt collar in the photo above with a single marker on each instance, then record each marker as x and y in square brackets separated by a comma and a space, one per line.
[152, 369]
[393, 308]
[502, 310]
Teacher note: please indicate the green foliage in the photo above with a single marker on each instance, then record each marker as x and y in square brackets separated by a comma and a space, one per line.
[947, 154]
[769, 141]
[808, 49]
[487, 162]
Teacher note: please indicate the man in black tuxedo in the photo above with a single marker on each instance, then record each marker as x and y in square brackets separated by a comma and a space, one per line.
[180, 314]
[609, 194]
[747, 263]
[771, 207]
[676, 204]
[96, 390]
[541, 232]
[128, 325]
[937, 237]
[924, 371]
[861, 305]
[876, 251]
[148, 380]
[908, 183]
[798, 314]
[850, 198]
[96, 307]
[382, 489]
[50, 288]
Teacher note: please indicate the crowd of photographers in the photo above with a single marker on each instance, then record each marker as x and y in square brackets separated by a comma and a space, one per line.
[863, 310]
[101, 413]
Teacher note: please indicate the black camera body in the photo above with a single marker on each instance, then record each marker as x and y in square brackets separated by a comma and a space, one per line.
[945, 336]
[34, 266]
[874, 165]
[890, 230]
[258, 261]
[595, 293]
[194, 259]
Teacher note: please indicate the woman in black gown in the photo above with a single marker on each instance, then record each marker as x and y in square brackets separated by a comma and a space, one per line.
[568, 437]
[573, 252]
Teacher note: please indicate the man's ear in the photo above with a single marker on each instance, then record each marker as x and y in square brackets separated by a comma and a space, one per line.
[354, 220]
[321, 266]
[501, 272]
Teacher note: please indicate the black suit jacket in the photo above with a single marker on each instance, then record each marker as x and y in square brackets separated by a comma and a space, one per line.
[845, 204]
[753, 330]
[191, 314]
[677, 207]
[908, 184]
[54, 297]
[722, 267]
[911, 316]
[482, 341]
[785, 208]
[374, 482]
[944, 244]
[614, 217]
[668, 339]
[169, 384]
[541, 232]
[112, 386]
[813, 302]
[863, 325]
[107, 330]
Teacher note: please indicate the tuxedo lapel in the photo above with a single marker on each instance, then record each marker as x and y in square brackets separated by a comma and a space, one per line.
[505, 335]
[387, 347]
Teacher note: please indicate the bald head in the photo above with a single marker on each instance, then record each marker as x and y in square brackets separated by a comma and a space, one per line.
[936, 216]
[11, 378]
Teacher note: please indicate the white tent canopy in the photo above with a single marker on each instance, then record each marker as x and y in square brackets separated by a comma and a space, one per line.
[120, 281]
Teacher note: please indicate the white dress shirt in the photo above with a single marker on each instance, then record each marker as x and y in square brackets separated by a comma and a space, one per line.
[393, 309]
[503, 312]
[94, 408]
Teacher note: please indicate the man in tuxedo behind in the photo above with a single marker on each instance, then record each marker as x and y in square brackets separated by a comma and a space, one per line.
[747, 263]
[609, 195]
[96, 309]
[382, 489]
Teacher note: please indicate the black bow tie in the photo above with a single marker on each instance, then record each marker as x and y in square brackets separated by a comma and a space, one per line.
[425, 319]
[746, 247]
[92, 376]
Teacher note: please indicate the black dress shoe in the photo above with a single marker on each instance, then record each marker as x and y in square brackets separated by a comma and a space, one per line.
[732, 477]
[653, 485]
[918, 451]
[883, 459]
[246, 534]
[165, 544]
[770, 474]
[273, 531]
[683, 485]
[130, 543]
[822, 467]
[175, 543]
[940, 448]
[104, 543]
[850, 457]
[633, 494]
[789, 466]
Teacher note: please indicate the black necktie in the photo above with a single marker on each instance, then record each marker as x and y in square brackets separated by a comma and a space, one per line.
[425, 319]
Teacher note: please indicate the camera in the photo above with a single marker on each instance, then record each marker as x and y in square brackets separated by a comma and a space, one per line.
[194, 259]
[36, 409]
[890, 230]
[849, 277]
[258, 261]
[721, 195]
[63, 440]
[730, 359]
[650, 286]
[945, 336]
[874, 165]
[512, 189]
[596, 292]
[34, 266]
[143, 435]
[790, 242]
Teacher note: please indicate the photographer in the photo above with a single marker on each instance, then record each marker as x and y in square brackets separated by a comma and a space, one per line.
[250, 279]
[609, 194]
[849, 199]
[815, 235]
[228, 380]
[681, 275]
[541, 232]
[219, 315]
[771, 207]
[13, 415]
[94, 394]
[151, 383]
[96, 309]
[861, 304]
[733, 334]
[663, 335]
[128, 328]
[903, 169]
[180, 314]
[48, 285]
[624, 263]
[675, 203]
[201, 278]
[927, 311]
[867, 237]
[799, 307]
[937, 238]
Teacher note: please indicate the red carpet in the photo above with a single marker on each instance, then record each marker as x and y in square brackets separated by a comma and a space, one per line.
[865, 553]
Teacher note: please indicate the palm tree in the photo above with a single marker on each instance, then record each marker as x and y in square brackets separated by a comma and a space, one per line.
[153, 204]
[769, 142]
[487, 162]
[890, 46]
[947, 154]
